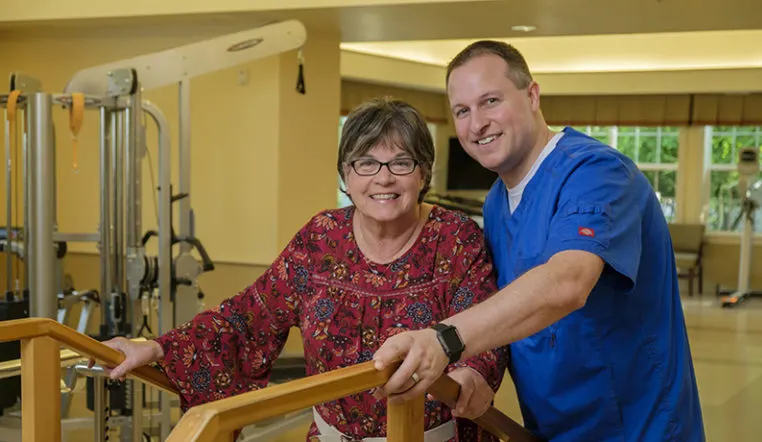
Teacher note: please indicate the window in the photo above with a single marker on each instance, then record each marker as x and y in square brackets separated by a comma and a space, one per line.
[653, 149]
[722, 144]
[342, 200]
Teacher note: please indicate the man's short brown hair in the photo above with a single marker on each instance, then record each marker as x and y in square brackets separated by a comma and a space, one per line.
[517, 71]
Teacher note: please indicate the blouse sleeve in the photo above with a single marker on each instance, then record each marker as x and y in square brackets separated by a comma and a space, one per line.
[473, 281]
[230, 348]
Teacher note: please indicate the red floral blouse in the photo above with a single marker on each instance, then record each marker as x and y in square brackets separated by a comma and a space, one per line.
[346, 306]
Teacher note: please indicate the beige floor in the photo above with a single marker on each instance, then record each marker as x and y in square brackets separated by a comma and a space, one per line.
[727, 349]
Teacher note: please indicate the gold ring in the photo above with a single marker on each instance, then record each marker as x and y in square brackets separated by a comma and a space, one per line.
[415, 378]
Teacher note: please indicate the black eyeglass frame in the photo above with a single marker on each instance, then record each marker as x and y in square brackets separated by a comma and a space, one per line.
[380, 164]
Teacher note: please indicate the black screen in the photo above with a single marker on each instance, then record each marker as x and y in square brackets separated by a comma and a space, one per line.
[465, 173]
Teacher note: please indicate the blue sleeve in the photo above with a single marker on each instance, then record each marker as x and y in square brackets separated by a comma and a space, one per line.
[599, 211]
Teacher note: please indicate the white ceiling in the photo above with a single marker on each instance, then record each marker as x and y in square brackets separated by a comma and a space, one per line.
[570, 35]
[446, 20]
[600, 53]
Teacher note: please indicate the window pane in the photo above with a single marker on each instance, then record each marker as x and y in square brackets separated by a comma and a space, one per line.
[648, 150]
[665, 188]
[626, 145]
[745, 141]
[601, 133]
[667, 183]
[669, 144]
[722, 149]
[724, 204]
[603, 138]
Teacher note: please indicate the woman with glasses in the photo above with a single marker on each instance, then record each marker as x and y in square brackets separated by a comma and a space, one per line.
[349, 279]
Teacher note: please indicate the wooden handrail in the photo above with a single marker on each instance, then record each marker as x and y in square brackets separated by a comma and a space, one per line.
[12, 368]
[18, 329]
[446, 390]
[206, 423]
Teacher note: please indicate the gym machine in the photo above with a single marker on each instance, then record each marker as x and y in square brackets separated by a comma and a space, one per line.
[134, 285]
[750, 191]
[128, 277]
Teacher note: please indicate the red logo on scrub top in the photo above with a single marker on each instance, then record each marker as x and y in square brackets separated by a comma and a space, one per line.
[586, 231]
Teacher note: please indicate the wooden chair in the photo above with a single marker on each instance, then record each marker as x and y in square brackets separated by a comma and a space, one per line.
[688, 244]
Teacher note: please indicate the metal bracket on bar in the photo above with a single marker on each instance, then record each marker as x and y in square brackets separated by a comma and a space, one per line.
[25, 83]
[20, 103]
[121, 82]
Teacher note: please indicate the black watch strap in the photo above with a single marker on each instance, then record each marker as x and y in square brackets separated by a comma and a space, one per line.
[450, 340]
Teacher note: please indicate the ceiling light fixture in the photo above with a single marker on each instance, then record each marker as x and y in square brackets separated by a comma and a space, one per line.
[523, 28]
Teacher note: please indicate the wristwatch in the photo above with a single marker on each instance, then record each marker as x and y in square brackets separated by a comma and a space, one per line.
[450, 340]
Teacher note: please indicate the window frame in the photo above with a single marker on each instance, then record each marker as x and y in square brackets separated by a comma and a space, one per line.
[613, 133]
[709, 167]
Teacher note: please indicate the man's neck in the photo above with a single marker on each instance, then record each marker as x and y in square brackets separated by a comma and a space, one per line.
[513, 176]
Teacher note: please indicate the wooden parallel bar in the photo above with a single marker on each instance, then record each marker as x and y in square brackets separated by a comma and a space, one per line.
[40, 390]
[13, 367]
[68, 358]
[236, 412]
[19, 329]
[405, 421]
[218, 420]
[446, 390]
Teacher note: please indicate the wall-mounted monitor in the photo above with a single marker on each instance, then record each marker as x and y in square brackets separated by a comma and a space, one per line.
[465, 173]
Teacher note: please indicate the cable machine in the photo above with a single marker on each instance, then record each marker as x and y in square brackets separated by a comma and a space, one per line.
[135, 286]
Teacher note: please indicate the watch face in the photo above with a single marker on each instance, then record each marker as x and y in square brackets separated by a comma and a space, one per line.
[452, 340]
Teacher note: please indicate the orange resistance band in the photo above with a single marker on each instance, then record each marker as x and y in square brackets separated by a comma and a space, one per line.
[76, 117]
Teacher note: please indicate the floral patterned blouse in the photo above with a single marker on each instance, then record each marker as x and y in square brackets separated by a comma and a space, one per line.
[346, 306]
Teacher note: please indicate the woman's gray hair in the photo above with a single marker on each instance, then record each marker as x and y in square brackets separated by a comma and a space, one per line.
[387, 120]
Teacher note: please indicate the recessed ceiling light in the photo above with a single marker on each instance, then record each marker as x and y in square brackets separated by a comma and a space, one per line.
[523, 28]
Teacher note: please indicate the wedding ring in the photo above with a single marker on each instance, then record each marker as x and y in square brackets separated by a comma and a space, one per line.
[415, 377]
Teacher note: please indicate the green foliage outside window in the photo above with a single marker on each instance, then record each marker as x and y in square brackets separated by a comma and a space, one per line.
[724, 198]
[653, 149]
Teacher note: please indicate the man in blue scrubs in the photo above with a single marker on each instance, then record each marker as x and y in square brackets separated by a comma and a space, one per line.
[588, 303]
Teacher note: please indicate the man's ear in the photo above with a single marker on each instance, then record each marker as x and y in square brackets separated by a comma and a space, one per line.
[534, 95]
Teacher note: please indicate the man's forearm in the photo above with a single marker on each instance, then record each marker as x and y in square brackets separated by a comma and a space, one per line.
[534, 301]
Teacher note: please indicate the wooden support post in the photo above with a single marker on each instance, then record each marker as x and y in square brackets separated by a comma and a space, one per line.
[40, 390]
[405, 421]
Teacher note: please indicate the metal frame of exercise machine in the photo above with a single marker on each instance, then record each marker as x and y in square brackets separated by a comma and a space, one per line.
[131, 281]
[748, 170]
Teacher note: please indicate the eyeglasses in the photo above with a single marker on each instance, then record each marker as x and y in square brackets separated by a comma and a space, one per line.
[370, 167]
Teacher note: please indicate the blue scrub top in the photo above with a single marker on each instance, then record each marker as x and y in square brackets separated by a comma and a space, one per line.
[620, 368]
